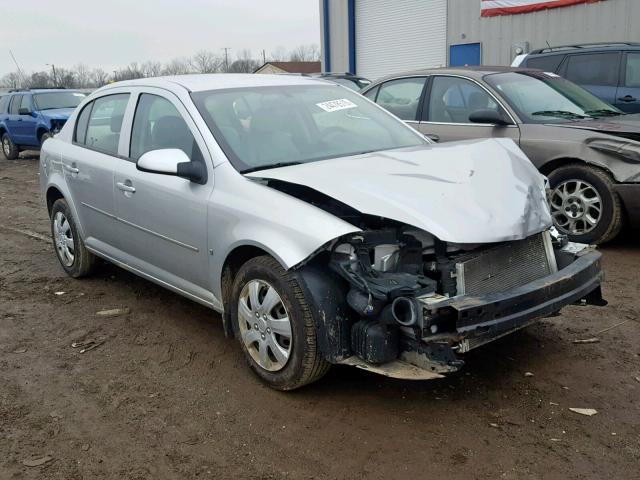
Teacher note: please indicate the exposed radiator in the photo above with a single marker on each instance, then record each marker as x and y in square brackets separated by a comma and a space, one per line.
[505, 266]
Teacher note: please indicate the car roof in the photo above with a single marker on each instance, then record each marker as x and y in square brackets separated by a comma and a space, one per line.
[475, 72]
[218, 81]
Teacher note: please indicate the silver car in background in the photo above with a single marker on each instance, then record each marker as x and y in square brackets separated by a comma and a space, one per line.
[323, 229]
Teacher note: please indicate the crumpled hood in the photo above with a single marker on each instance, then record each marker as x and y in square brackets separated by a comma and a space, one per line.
[58, 113]
[477, 191]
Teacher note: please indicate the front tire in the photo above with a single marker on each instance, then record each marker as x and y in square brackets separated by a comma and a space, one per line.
[275, 326]
[74, 257]
[43, 137]
[9, 149]
[584, 204]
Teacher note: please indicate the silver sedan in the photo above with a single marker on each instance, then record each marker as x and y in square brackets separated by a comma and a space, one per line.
[323, 229]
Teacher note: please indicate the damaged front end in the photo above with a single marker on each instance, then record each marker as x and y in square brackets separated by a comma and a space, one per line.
[400, 302]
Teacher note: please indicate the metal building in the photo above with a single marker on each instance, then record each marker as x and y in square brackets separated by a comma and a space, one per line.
[373, 38]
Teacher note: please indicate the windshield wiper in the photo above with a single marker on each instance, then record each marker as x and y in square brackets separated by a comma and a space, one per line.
[271, 165]
[603, 112]
[558, 113]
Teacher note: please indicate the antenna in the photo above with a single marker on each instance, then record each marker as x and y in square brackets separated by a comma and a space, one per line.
[17, 66]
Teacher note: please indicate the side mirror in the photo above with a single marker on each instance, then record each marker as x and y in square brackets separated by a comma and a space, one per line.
[24, 111]
[488, 116]
[172, 161]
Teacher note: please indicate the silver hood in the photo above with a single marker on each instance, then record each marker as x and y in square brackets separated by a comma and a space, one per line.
[478, 191]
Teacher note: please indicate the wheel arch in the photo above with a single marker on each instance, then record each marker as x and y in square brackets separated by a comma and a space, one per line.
[53, 194]
[41, 131]
[556, 163]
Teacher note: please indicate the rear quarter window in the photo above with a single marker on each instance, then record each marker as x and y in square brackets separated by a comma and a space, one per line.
[4, 103]
[548, 63]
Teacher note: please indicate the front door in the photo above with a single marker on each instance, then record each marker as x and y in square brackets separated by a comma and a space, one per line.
[28, 123]
[628, 94]
[447, 106]
[163, 218]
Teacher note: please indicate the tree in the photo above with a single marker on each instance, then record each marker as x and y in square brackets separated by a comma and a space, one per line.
[151, 69]
[206, 62]
[11, 80]
[305, 53]
[278, 55]
[244, 63]
[98, 77]
[177, 66]
[39, 80]
[83, 76]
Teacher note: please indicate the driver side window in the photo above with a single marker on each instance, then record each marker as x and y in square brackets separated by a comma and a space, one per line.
[453, 99]
[157, 125]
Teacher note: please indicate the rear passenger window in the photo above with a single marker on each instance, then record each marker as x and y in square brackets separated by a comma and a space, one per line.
[593, 69]
[401, 97]
[15, 105]
[632, 75]
[548, 63]
[158, 125]
[105, 121]
[82, 122]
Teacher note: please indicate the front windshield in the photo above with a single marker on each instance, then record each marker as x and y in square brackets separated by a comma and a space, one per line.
[52, 100]
[540, 97]
[266, 127]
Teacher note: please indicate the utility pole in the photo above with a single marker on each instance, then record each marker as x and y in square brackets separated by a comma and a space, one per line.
[55, 78]
[226, 59]
[264, 57]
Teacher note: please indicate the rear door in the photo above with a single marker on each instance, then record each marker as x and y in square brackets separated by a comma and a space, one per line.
[447, 105]
[163, 218]
[628, 95]
[596, 72]
[13, 119]
[89, 165]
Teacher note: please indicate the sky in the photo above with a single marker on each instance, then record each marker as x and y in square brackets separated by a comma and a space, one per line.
[114, 33]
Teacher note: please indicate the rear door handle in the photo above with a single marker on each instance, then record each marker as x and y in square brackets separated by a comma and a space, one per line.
[627, 98]
[126, 188]
[432, 136]
[70, 169]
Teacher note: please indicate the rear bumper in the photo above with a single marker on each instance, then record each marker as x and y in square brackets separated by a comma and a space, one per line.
[481, 319]
[630, 196]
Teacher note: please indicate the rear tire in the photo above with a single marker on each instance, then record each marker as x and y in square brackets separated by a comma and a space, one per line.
[297, 343]
[584, 204]
[9, 149]
[74, 257]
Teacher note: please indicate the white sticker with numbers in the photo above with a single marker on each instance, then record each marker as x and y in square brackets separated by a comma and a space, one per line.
[335, 105]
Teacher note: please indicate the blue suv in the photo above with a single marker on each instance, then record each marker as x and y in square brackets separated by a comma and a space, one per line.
[610, 71]
[29, 117]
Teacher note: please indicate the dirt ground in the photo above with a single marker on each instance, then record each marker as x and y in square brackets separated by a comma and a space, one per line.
[168, 396]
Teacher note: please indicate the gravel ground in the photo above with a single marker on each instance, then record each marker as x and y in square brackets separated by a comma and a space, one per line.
[168, 396]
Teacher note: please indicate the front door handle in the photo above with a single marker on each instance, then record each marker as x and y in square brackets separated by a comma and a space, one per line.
[126, 188]
[70, 169]
[627, 98]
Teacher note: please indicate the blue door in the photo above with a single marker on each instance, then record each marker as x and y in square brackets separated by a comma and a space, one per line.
[464, 54]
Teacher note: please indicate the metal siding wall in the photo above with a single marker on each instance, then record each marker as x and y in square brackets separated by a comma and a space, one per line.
[401, 35]
[609, 20]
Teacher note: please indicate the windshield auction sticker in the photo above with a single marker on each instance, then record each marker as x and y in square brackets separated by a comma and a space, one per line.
[335, 105]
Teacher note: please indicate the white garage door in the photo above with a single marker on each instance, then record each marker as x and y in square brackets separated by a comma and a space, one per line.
[394, 36]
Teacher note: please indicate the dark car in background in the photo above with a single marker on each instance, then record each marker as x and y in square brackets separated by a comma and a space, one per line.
[611, 71]
[354, 82]
[589, 149]
[29, 117]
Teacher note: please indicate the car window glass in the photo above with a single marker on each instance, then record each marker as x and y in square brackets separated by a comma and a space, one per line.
[401, 97]
[453, 99]
[371, 94]
[26, 102]
[593, 69]
[548, 63]
[303, 123]
[15, 104]
[632, 75]
[103, 131]
[4, 103]
[158, 124]
[82, 123]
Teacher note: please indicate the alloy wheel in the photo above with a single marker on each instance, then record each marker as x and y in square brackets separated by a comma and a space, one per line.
[576, 207]
[264, 325]
[6, 147]
[63, 239]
